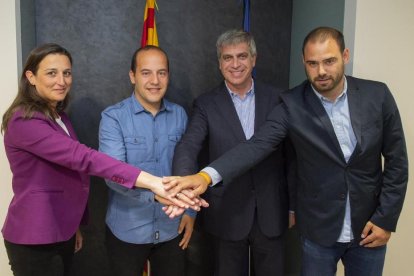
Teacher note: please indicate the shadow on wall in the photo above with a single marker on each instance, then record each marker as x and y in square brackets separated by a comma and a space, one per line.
[85, 114]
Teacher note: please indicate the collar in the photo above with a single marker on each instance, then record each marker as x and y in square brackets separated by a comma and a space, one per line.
[233, 94]
[138, 108]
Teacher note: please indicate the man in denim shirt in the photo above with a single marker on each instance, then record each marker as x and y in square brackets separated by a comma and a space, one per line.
[142, 130]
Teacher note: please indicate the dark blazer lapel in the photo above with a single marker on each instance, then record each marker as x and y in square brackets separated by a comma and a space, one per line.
[225, 105]
[320, 111]
[354, 103]
[261, 103]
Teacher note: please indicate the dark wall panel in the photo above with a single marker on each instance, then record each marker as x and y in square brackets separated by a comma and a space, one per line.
[103, 34]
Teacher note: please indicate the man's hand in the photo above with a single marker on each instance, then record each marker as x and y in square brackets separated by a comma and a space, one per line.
[292, 219]
[186, 224]
[78, 240]
[200, 202]
[173, 211]
[196, 183]
[169, 209]
[374, 236]
[154, 183]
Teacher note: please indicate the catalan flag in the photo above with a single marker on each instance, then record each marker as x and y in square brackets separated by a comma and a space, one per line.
[146, 271]
[149, 30]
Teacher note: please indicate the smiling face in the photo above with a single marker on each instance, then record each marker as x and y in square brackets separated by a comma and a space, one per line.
[324, 65]
[150, 79]
[53, 78]
[236, 64]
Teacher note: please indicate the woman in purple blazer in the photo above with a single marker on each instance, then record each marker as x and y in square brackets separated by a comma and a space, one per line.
[50, 168]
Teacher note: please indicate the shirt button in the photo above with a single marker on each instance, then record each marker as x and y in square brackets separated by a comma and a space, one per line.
[342, 196]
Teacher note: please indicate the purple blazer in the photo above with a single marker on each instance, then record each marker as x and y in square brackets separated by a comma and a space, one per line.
[50, 179]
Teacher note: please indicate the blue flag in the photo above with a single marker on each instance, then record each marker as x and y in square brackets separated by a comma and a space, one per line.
[246, 16]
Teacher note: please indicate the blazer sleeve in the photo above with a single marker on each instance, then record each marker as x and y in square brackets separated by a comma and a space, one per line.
[247, 154]
[37, 136]
[395, 172]
[187, 150]
[291, 168]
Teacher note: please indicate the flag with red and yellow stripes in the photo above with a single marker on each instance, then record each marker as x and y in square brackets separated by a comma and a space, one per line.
[146, 271]
[149, 30]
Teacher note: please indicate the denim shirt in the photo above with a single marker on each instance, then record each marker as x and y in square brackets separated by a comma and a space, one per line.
[129, 133]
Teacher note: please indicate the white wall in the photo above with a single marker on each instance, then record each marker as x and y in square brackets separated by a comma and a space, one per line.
[8, 80]
[383, 50]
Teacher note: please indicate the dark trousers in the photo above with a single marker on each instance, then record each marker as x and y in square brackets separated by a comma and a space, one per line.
[127, 259]
[46, 259]
[267, 255]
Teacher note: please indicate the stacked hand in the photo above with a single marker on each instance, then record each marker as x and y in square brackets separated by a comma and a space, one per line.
[178, 199]
[173, 210]
[187, 189]
[195, 185]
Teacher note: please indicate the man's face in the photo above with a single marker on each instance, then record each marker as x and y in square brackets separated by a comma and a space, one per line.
[150, 78]
[236, 65]
[324, 65]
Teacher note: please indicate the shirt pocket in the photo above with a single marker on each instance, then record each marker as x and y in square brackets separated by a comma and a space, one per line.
[172, 142]
[136, 149]
[174, 138]
[138, 142]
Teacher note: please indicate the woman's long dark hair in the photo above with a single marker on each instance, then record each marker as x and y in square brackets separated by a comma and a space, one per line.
[27, 99]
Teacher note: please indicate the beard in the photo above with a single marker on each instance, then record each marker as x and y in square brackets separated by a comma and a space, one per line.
[327, 84]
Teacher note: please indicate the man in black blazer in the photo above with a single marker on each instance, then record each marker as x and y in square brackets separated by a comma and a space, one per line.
[352, 162]
[252, 210]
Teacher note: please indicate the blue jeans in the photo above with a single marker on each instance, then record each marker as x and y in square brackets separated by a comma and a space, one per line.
[319, 260]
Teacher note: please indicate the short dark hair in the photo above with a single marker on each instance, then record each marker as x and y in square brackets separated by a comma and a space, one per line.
[147, 48]
[321, 34]
[27, 97]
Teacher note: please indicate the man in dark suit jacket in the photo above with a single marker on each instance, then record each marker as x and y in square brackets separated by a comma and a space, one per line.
[253, 209]
[348, 200]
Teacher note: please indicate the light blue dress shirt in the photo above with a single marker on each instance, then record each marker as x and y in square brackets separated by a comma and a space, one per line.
[338, 112]
[130, 133]
[246, 110]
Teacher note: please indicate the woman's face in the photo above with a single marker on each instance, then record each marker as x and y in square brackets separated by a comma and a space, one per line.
[53, 78]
